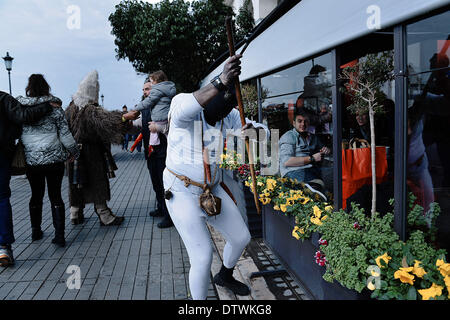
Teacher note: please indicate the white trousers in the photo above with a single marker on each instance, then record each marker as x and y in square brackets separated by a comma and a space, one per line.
[190, 221]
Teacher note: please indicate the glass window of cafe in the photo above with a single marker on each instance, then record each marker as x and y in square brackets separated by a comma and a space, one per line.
[356, 133]
[303, 88]
[428, 148]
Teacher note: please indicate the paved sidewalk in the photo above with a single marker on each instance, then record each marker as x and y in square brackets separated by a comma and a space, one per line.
[134, 261]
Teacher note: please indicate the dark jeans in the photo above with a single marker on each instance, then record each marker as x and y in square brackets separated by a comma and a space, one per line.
[126, 138]
[37, 175]
[156, 166]
[305, 175]
[6, 220]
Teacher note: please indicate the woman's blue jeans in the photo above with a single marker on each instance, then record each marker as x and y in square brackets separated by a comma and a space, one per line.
[6, 221]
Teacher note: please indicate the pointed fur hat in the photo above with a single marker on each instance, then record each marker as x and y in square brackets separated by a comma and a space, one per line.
[87, 90]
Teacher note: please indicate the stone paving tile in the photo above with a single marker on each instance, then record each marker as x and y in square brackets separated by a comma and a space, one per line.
[282, 286]
[134, 261]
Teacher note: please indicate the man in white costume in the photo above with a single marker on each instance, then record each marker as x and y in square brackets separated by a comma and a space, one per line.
[191, 116]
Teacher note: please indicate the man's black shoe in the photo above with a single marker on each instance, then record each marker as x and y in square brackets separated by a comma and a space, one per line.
[225, 279]
[156, 213]
[166, 223]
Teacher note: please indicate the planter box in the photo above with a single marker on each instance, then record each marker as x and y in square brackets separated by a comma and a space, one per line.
[298, 258]
[254, 219]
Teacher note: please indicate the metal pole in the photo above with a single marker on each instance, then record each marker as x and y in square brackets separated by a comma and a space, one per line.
[337, 129]
[259, 88]
[9, 76]
[400, 193]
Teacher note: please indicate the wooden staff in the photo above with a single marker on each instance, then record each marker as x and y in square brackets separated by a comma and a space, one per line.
[241, 112]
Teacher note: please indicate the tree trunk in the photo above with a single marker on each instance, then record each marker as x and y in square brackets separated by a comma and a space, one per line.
[373, 159]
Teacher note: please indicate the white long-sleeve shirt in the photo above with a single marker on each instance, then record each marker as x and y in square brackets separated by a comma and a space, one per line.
[184, 143]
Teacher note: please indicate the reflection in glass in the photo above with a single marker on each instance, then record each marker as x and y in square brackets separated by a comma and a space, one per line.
[426, 39]
[305, 87]
[428, 158]
[286, 81]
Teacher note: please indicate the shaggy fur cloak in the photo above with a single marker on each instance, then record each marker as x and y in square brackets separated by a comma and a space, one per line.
[95, 129]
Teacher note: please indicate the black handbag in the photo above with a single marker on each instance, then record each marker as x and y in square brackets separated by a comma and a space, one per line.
[19, 164]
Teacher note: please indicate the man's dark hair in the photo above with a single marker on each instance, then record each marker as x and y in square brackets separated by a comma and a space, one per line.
[302, 112]
[37, 86]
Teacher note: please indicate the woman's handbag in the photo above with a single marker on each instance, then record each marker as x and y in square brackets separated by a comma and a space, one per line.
[19, 164]
[357, 167]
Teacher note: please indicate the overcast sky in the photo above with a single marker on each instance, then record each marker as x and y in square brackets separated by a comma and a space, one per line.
[43, 37]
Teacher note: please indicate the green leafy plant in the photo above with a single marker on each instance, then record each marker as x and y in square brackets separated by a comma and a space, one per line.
[179, 37]
[353, 238]
[292, 198]
[250, 99]
[363, 252]
[244, 20]
[356, 243]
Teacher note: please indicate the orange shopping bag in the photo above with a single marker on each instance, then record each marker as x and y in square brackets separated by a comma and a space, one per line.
[357, 169]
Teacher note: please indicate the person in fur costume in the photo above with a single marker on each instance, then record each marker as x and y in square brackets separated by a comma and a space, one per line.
[94, 129]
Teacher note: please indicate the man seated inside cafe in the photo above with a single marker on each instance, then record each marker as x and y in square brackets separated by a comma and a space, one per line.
[301, 153]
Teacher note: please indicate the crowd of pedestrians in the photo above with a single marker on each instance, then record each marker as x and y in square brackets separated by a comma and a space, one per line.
[78, 141]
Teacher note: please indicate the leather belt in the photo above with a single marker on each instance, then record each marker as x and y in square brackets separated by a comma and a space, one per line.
[187, 181]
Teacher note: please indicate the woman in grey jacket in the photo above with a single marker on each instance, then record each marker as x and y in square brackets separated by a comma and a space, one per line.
[48, 143]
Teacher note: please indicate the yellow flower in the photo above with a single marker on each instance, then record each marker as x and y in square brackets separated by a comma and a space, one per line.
[374, 273]
[317, 212]
[289, 201]
[403, 275]
[259, 184]
[432, 292]
[295, 234]
[371, 286]
[443, 267]
[247, 183]
[283, 207]
[276, 207]
[324, 218]
[304, 200]
[418, 271]
[271, 183]
[329, 208]
[447, 284]
[384, 257]
[316, 221]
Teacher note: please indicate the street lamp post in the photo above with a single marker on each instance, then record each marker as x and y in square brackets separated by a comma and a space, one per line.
[103, 97]
[8, 63]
